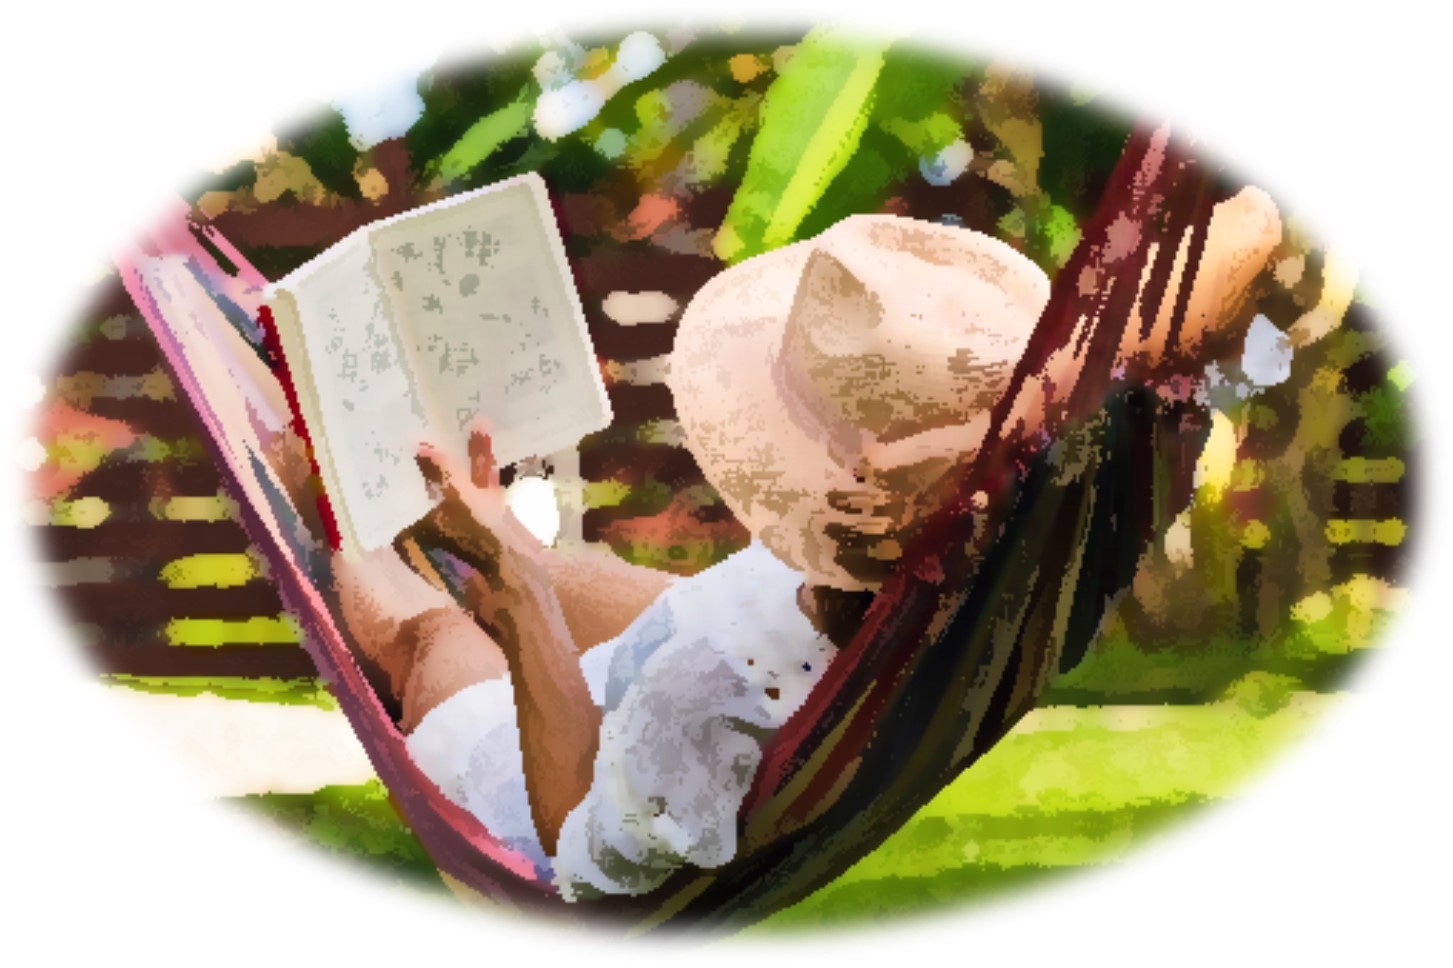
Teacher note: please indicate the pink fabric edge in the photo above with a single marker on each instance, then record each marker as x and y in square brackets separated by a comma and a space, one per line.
[454, 838]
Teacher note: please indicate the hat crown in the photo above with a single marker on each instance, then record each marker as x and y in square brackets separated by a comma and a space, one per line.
[898, 326]
[880, 327]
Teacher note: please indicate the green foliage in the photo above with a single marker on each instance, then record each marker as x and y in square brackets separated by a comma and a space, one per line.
[230, 179]
[485, 136]
[1320, 642]
[1055, 234]
[1082, 142]
[1342, 622]
[1261, 693]
[648, 497]
[915, 112]
[323, 143]
[572, 165]
[683, 557]
[457, 98]
[1117, 669]
[1385, 409]
[811, 121]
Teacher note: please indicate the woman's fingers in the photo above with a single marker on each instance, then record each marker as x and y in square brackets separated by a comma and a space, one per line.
[483, 470]
[452, 485]
[435, 468]
[444, 474]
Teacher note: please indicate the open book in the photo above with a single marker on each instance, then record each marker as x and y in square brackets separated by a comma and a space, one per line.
[415, 325]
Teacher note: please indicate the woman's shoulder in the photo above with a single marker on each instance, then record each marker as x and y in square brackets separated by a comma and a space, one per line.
[753, 572]
[744, 607]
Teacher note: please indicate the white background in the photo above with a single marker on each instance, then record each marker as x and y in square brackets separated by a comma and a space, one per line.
[1337, 852]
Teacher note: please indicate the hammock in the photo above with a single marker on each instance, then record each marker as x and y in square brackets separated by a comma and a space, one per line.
[987, 604]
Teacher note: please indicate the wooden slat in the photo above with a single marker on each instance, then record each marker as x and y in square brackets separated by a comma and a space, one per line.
[627, 343]
[167, 419]
[1368, 500]
[129, 356]
[1380, 561]
[298, 225]
[132, 539]
[108, 298]
[606, 271]
[637, 404]
[127, 482]
[640, 268]
[141, 602]
[156, 657]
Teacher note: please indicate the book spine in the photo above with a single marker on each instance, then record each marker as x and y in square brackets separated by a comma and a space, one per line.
[272, 344]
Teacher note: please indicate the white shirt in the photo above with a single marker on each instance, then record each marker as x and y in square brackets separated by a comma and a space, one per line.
[691, 691]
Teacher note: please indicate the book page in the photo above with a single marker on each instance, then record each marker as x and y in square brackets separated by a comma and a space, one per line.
[489, 313]
[353, 373]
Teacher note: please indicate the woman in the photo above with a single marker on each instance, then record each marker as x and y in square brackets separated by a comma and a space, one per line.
[608, 720]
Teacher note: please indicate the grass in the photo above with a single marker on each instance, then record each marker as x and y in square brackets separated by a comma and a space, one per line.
[288, 692]
[1069, 788]
[1328, 635]
[356, 822]
[1075, 785]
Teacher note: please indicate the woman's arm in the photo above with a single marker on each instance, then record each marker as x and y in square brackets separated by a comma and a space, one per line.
[601, 594]
[513, 599]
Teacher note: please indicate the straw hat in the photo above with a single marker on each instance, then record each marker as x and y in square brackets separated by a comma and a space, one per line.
[787, 365]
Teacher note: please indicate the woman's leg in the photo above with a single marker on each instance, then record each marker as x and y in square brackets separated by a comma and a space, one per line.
[447, 651]
[426, 646]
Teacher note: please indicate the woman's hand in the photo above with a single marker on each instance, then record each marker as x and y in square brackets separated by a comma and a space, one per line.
[472, 519]
[514, 601]
[473, 523]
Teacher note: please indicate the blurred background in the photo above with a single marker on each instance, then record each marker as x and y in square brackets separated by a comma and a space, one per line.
[670, 154]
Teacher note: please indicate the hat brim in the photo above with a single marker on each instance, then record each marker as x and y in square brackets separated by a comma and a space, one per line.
[766, 466]
[772, 468]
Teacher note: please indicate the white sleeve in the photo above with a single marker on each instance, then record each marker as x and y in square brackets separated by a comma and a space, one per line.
[696, 688]
[674, 765]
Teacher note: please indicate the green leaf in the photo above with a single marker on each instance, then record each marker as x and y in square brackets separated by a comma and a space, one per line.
[1058, 234]
[925, 137]
[485, 136]
[813, 117]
